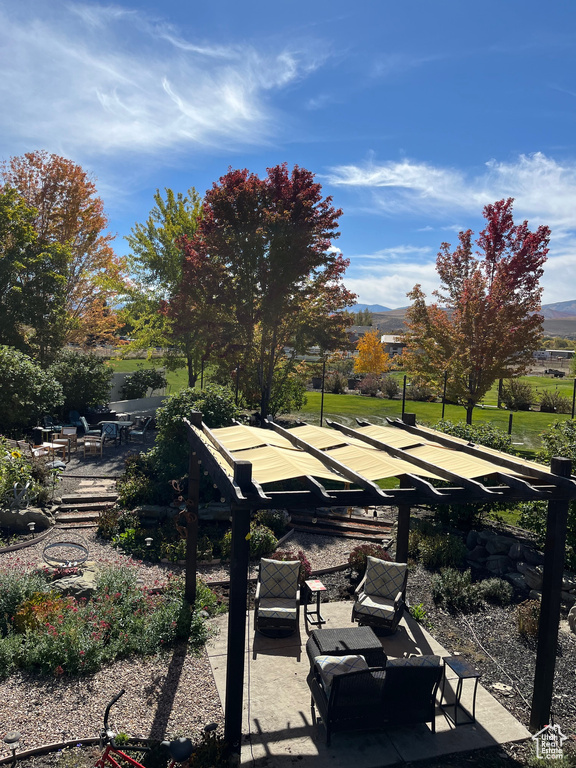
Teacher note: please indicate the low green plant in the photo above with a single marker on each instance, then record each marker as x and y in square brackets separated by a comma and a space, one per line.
[455, 591]
[369, 385]
[528, 617]
[262, 541]
[480, 434]
[497, 591]
[336, 383]
[419, 613]
[275, 519]
[138, 383]
[420, 391]
[390, 387]
[436, 550]
[517, 395]
[212, 751]
[357, 558]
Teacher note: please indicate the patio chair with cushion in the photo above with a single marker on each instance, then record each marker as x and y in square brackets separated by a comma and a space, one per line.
[93, 445]
[277, 601]
[74, 419]
[110, 431]
[140, 432]
[380, 595]
[49, 423]
[349, 695]
[67, 435]
[87, 430]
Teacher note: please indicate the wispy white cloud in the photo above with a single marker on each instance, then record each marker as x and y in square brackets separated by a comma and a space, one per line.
[103, 79]
[544, 188]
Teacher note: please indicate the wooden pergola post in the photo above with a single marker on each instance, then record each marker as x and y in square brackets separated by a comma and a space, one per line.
[192, 518]
[239, 561]
[554, 553]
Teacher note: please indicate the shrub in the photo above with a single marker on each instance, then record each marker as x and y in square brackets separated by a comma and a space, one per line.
[336, 383]
[62, 635]
[85, 379]
[275, 519]
[138, 383]
[262, 541]
[517, 395]
[497, 591]
[551, 401]
[455, 591]
[15, 467]
[28, 392]
[528, 616]
[357, 558]
[369, 385]
[390, 387]
[481, 434]
[305, 567]
[420, 391]
[436, 550]
[288, 390]
[15, 588]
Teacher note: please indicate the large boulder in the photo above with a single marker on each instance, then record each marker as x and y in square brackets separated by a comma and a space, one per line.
[498, 564]
[572, 619]
[472, 539]
[516, 579]
[533, 557]
[532, 575]
[477, 555]
[499, 545]
[82, 585]
[17, 520]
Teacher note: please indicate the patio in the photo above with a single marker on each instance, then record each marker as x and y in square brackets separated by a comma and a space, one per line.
[277, 705]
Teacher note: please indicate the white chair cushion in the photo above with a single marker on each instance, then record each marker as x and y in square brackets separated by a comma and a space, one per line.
[329, 666]
[372, 605]
[279, 578]
[277, 608]
[384, 579]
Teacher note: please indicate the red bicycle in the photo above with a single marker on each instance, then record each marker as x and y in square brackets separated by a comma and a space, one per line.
[179, 750]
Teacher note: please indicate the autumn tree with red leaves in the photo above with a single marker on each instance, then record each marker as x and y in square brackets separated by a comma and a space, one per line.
[69, 212]
[273, 236]
[487, 324]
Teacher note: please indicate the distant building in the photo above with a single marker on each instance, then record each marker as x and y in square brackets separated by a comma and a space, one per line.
[550, 354]
[393, 345]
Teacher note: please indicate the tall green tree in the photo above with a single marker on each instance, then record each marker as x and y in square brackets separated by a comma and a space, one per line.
[33, 278]
[487, 324]
[69, 212]
[273, 238]
[156, 268]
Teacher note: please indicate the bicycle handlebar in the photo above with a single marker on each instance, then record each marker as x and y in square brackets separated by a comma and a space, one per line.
[110, 704]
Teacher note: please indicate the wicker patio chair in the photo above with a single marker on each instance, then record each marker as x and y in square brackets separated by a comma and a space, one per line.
[380, 595]
[277, 601]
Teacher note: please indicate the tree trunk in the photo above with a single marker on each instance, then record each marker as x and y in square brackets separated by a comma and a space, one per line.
[469, 410]
[192, 375]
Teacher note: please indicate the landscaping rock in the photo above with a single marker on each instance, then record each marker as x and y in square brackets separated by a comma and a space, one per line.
[533, 557]
[214, 511]
[83, 585]
[155, 512]
[569, 582]
[517, 551]
[499, 564]
[532, 575]
[568, 598]
[477, 555]
[516, 579]
[572, 619]
[472, 539]
[17, 520]
[499, 545]
[535, 594]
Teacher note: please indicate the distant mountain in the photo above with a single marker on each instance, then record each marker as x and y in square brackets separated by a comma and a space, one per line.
[369, 307]
[559, 310]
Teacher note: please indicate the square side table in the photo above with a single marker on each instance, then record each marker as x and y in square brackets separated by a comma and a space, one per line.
[463, 671]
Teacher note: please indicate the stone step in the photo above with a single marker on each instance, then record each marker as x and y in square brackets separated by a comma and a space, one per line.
[77, 516]
[87, 497]
[68, 526]
[320, 530]
[93, 506]
[357, 524]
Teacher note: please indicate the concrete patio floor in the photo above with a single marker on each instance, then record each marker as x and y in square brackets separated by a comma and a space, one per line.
[278, 728]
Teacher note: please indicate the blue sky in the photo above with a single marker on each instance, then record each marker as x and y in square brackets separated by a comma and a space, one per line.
[413, 115]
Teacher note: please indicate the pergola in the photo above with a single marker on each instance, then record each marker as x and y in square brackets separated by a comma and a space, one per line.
[307, 467]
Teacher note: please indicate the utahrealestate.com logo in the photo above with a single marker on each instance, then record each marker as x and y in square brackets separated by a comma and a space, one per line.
[549, 742]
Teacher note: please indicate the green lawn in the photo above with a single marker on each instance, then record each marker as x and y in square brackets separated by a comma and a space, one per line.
[177, 380]
[526, 425]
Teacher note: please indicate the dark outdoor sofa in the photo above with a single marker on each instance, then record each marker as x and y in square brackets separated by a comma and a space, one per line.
[402, 692]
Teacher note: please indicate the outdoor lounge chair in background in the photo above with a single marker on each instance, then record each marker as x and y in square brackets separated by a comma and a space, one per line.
[140, 433]
[74, 419]
[87, 430]
[277, 601]
[49, 424]
[93, 445]
[380, 595]
[110, 431]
